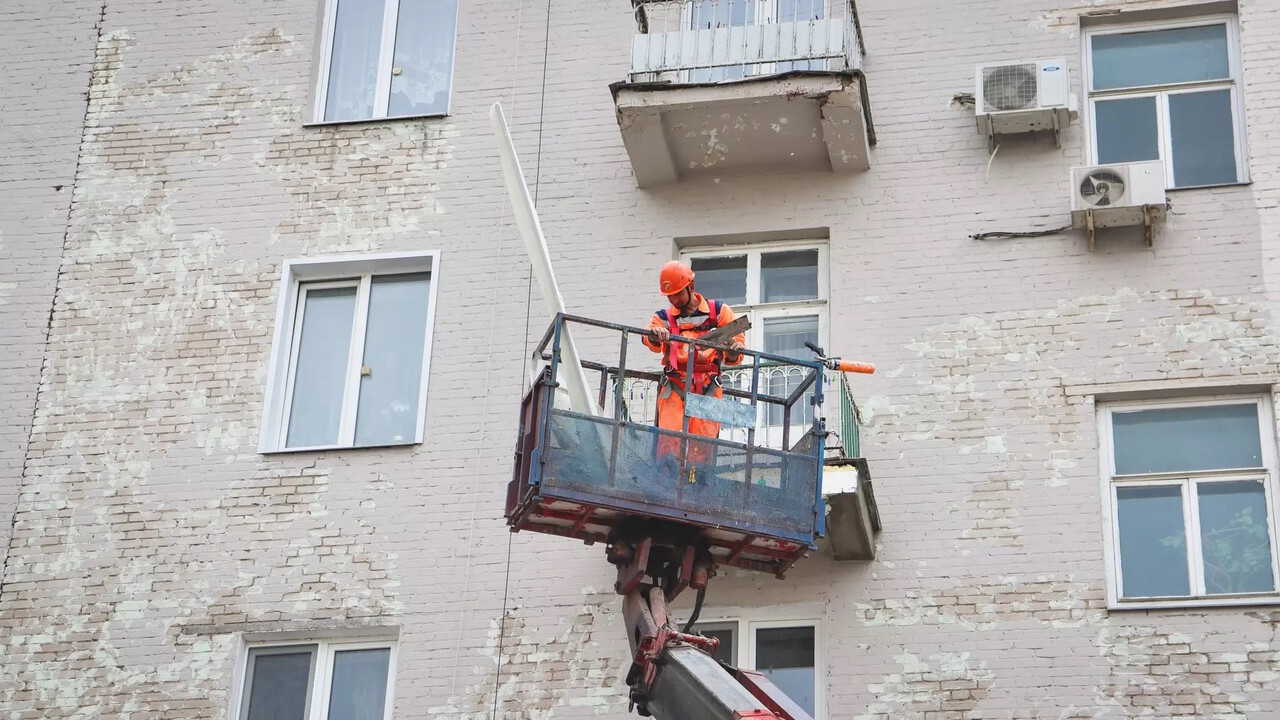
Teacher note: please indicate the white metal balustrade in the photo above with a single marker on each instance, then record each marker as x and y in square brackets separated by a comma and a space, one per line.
[703, 41]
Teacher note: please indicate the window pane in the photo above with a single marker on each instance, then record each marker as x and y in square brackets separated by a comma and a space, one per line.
[359, 684]
[726, 653]
[353, 67]
[1126, 130]
[709, 14]
[321, 371]
[787, 276]
[1153, 545]
[1204, 146]
[786, 657]
[394, 336]
[279, 686]
[786, 337]
[1180, 439]
[801, 11]
[423, 57]
[706, 14]
[1234, 537]
[1159, 57]
[721, 278]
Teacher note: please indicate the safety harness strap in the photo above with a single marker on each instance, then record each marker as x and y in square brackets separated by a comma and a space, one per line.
[703, 373]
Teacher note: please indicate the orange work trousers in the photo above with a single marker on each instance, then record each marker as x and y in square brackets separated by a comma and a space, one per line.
[670, 408]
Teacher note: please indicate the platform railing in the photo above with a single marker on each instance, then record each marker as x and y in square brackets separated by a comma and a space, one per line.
[701, 41]
[612, 452]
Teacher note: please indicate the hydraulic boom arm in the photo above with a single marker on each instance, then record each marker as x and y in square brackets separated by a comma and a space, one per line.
[673, 675]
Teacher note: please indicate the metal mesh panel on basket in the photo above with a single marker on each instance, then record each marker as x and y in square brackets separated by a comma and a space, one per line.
[779, 497]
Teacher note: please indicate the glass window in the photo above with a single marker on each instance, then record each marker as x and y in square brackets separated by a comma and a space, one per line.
[722, 278]
[786, 652]
[786, 336]
[391, 374]
[1200, 126]
[353, 363]
[789, 276]
[359, 688]
[1128, 130]
[1160, 57]
[1153, 547]
[281, 682]
[1205, 437]
[1234, 537]
[422, 66]
[378, 69]
[321, 366]
[1143, 109]
[783, 290]
[786, 655]
[1191, 500]
[353, 68]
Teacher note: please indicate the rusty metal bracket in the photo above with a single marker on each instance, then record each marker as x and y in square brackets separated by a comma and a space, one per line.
[631, 573]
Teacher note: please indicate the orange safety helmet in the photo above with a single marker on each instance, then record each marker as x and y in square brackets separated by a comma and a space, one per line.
[675, 277]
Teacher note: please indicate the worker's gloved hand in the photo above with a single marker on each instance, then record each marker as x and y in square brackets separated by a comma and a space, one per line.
[735, 345]
[660, 335]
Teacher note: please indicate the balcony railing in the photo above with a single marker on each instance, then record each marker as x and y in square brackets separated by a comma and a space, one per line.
[705, 41]
[850, 421]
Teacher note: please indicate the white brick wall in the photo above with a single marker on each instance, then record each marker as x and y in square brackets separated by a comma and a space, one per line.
[149, 532]
[49, 57]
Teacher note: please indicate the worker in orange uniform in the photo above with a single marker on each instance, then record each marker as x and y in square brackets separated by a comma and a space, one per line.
[690, 315]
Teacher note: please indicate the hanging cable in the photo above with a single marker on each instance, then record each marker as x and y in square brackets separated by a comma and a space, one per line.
[1005, 235]
[990, 160]
[528, 312]
[697, 610]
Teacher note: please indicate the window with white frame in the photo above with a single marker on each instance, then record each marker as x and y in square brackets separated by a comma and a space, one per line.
[351, 353]
[787, 652]
[1190, 490]
[385, 59]
[784, 288]
[1169, 91]
[318, 681]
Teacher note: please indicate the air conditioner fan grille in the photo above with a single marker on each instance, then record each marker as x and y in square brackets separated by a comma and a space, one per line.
[1102, 188]
[1010, 87]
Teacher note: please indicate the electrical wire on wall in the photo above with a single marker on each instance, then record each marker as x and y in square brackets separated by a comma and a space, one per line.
[537, 186]
[484, 414]
[1006, 235]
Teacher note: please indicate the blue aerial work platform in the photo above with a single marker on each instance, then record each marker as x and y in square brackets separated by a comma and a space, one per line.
[756, 504]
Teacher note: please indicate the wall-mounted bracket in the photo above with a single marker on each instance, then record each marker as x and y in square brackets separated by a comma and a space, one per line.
[1150, 213]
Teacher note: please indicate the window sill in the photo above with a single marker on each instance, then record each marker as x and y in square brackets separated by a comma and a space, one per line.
[1238, 183]
[1194, 603]
[367, 121]
[333, 448]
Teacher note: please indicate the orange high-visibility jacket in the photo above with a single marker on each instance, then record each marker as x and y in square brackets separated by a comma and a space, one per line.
[693, 325]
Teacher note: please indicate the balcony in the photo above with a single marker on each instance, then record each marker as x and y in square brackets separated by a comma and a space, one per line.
[721, 87]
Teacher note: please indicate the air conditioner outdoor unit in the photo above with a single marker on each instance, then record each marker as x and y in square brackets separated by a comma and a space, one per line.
[1116, 195]
[1023, 96]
